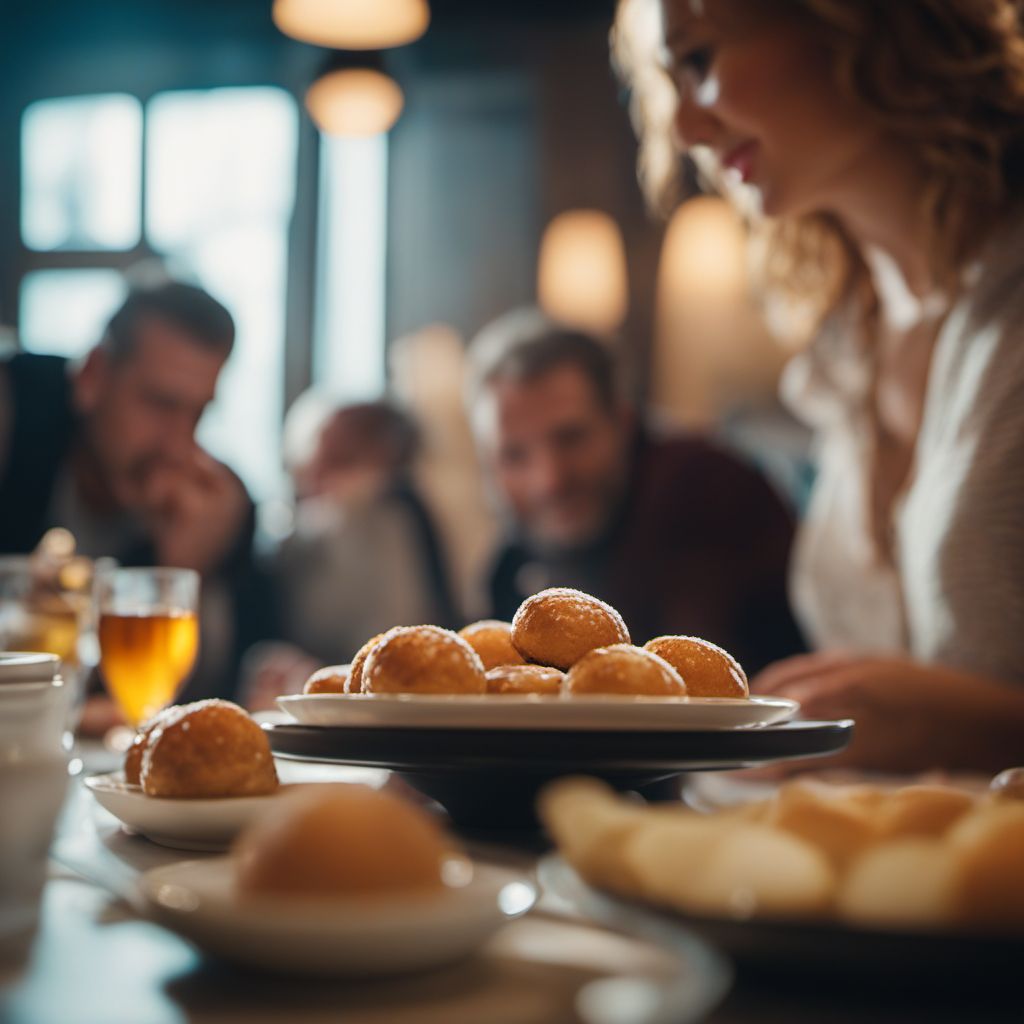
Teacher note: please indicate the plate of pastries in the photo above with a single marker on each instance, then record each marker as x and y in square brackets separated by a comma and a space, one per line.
[338, 879]
[822, 876]
[565, 661]
[195, 775]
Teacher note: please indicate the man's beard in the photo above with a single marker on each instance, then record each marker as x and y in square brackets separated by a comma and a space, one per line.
[553, 543]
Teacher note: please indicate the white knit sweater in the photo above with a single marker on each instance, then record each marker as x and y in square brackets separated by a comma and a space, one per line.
[955, 593]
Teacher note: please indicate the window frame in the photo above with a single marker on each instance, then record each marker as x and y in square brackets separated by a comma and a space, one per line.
[302, 234]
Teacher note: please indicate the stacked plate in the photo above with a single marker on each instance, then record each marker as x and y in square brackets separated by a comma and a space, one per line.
[484, 757]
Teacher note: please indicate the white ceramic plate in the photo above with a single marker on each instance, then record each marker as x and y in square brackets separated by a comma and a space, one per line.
[442, 711]
[389, 935]
[202, 825]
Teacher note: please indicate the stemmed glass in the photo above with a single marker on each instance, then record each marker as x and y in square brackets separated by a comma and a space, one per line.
[149, 636]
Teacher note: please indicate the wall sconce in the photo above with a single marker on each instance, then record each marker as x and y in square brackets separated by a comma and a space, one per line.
[711, 351]
[354, 101]
[703, 254]
[352, 24]
[581, 271]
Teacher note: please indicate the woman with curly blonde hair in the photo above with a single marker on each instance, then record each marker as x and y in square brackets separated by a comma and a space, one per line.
[877, 149]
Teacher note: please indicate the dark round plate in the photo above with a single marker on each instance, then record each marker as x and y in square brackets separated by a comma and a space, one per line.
[802, 950]
[547, 751]
[490, 777]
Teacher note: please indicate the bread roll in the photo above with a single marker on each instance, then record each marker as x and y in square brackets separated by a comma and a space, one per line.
[558, 626]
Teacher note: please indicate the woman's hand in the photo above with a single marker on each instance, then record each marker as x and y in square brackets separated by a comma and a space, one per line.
[910, 716]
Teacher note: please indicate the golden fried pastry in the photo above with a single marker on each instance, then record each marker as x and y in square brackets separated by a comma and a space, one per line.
[915, 857]
[820, 814]
[342, 840]
[923, 810]
[906, 882]
[423, 659]
[517, 679]
[558, 626]
[989, 849]
[208, 749]
[133, 758]
[700, 863]
[707, 670]
[330, 679]
[732, 868]
[626, 670]
[591, 826]
[355, 676]
[492, 640]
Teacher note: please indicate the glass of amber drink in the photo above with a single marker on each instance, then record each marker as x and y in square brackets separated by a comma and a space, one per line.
[149, 636]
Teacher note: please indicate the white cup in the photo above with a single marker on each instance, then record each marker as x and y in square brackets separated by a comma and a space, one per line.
[34, 704]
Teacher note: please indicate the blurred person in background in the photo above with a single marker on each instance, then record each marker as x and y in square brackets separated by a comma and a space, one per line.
[675, 532]
[107, 450]
[877, 149]
[363, 554]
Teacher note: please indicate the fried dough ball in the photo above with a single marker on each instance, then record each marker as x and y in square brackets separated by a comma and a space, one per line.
[516, 679]
[989, 849]
[727, 868]
[705, 863]
[591, 827]
[492, 640]
[707, 670]
[623, 669]
[133, 758]
[423, 659]
[927, 811]
[355, 676]
[908, 882]
[823, 816]
[330, 679]
[211, 748]
[342, 840]
[558, 626]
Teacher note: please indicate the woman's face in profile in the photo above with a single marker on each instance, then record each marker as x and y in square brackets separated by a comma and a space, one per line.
[756, 88]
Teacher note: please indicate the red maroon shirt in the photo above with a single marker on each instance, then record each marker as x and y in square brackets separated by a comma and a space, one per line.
[700, 547]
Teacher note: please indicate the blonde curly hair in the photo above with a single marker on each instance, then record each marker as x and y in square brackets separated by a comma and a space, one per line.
[947, 75]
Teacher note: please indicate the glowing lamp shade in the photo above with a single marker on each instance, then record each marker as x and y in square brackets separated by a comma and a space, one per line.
[581, 272]
[354, 102]
[352, 24]
[703, 254]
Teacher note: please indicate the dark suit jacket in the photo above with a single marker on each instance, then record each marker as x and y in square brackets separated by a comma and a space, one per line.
[43, 427]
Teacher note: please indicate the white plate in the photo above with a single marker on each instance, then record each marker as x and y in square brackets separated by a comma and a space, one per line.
[443, 711]
[202, 825]
[388, 935]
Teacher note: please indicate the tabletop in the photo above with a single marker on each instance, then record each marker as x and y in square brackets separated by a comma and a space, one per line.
[96, 961]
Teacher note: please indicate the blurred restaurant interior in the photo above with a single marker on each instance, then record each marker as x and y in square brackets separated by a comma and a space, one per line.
[147, 142]
[496, 339]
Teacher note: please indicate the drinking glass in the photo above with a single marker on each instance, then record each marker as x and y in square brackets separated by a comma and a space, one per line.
[149, 636]
[46, 605]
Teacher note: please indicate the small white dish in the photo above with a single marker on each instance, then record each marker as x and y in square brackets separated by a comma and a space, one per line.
[201, 825]
[604, 713]
[354, 937]
[26, 668]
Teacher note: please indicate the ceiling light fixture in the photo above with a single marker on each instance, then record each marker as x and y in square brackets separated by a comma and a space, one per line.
[352, 24]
